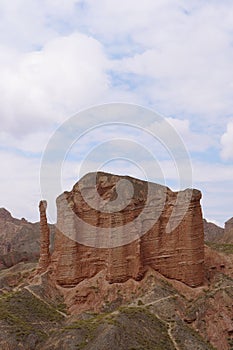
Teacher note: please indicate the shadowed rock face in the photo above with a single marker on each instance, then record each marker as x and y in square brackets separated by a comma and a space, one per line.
[154, 227]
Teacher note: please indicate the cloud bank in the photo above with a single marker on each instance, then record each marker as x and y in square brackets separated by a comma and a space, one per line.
[58, 57]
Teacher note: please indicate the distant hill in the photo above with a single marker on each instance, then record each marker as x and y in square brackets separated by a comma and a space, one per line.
[216, 234]
[228, 231]
[19, 240]
[212, 232]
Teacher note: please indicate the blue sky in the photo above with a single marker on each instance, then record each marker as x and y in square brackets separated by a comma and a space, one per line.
[61, 57]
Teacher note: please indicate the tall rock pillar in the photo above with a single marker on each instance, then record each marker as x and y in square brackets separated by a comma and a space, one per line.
[44, 238]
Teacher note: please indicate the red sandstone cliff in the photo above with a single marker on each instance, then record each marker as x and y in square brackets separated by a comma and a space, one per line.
[115, 243]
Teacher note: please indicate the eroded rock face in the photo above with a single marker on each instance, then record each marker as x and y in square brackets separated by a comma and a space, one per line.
[154, 227]
[44, 238]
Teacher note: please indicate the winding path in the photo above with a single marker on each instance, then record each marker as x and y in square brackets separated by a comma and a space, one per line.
[169, 324]
[45, 302]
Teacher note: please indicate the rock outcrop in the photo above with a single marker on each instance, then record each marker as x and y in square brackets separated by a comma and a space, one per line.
[155, 228]
[44, 238]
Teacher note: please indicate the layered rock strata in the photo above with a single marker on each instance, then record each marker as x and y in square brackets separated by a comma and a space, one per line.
[124, 229]
[44, 238]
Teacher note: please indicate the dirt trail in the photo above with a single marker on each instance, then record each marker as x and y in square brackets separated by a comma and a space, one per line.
[169, 324]
[45, 302]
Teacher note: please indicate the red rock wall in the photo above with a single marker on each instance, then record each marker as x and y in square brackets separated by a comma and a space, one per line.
[178, 254]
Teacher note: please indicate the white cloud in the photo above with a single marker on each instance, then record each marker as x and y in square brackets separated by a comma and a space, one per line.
[215, 172]
[19, 185]
[114, 21]
[28, 24]
[227, 143]
[193, 141]
[46, 86]
[58, 57]
[31, 144]
[185, 61]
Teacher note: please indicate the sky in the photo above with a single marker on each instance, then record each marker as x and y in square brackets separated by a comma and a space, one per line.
[59, 58]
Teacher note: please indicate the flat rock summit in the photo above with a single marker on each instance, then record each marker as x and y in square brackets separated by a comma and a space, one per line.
[123, 226]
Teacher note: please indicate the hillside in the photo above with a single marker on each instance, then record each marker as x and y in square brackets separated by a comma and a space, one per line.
[161, 314]
[136, 296]
[19, 240]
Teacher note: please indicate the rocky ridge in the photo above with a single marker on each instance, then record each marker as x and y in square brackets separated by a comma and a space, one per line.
[228, 231]
[19, 240]
[212, 232]
[215, 234]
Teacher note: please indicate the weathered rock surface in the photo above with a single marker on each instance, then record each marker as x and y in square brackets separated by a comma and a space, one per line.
[171, 222]
[44, 238]
[19, 240]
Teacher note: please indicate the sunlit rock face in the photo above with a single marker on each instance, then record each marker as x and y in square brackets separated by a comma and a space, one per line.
[124, 225]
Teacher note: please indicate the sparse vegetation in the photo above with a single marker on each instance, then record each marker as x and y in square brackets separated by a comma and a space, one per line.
[221, 247]
[24, 314]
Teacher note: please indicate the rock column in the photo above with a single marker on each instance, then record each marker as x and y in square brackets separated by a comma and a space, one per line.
[44, 238]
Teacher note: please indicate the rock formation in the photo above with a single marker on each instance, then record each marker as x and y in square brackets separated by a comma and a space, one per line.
[44, 238]
[156, 233]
